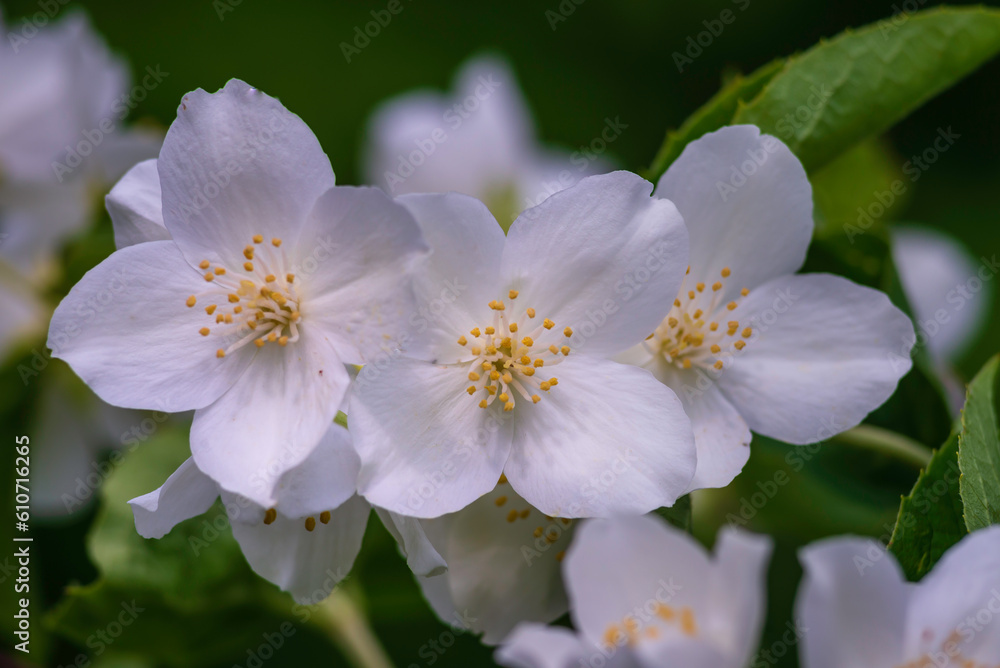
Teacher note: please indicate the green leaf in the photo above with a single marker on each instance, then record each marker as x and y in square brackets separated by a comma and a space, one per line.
[979, 449]
[714, 114]
[930, 517]
[860, 83]
[678, 514]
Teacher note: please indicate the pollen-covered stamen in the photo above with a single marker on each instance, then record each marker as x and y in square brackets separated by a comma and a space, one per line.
[503, 357]
[259, 303]
[699, 327]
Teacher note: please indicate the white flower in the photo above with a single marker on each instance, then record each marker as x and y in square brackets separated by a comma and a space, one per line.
[645, 594]
[860, 611]
[61, 104]
[513, 335]
[479, 141]
[305, 543]
[949, 298]
[748, 344]
[503, 560]
[271, 282]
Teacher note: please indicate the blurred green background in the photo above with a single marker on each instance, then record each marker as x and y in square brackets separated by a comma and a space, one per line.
[607, 59]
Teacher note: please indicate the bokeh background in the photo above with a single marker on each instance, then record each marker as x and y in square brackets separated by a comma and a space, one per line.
[605, 60]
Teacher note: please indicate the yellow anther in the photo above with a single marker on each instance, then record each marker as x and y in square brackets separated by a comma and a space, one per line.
[257, 238]
[512, 294]
[524, 513]
[672, 321]
[688, 626]
[210, 309]
[248, 252]
[553, 381]
[740, 345]
[270, 278]
[503, 479]
[677, 302]
[508, 407]
[686, 363]
[491, 349]
[568, 332]
[566, 521]
[475, 331]
[747, 332]
[713, 326]
[462, 340]
[295, 316]
[697, 314]
[535, 398]
[548, 324]
[228, 319]
[530, 371]
[538, 532]
[725, 272]
[220, 271]
[497, 305]
[539, 363]
[731, 305]
[471, 389]
[486, 366]
[204, 331]
[473, 376]
[324, 517]
[483, 404]
[700, 287]
[275, 242]
[204, 264]
[191, 301]
[494, 375]
[715, 349]
[553, 349]
[733, 324]
[690, 294]
[475, 350]
[310, 523]
[272, 337]
[560, 555]
[248, 266]
[260, 343]
[525, 359]
[220, 353]
[492, 389]
[233, 298]
[507, 377]
[530, 312]
[290, 278]
[716, 286]
[490, 330]
[718, 365]
[209, 276]
[503, 397]
[665, 612]
[500, 500]
[512, 516]
[513, 327]
[219, 318]
[745, 292]
[270, 515]
[283, 341]
[545, 385]
[565, 351]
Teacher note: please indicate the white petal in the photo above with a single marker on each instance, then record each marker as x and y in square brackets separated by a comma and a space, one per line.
[499, 571]
[421, 556]
[306, 564]
[759, 229]
[538, 646]
[615, 566]
[271, 419]
[739, 593]
[602, 257]
[37, 219]
[234, 164]
[325, 480]
[609, 438]
[932, 266]
[127, 332]
[721, 436]
[825, 353]
[456, 283]
[473, 142]
[135, 206]
[356, 279]
[426, 448]
[959, 601]
[853, 602]
[187, 493]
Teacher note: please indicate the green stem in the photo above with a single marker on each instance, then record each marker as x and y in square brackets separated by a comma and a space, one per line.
[888, 443]
[339, 617]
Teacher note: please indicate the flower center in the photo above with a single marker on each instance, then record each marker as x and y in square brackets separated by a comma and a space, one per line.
[633, 630]
[503, 356]
[698, 328]
[256, 303]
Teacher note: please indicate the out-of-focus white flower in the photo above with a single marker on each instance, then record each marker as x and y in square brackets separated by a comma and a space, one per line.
[643, 594]
[860, 611]
[748, 344]
[479, 140]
